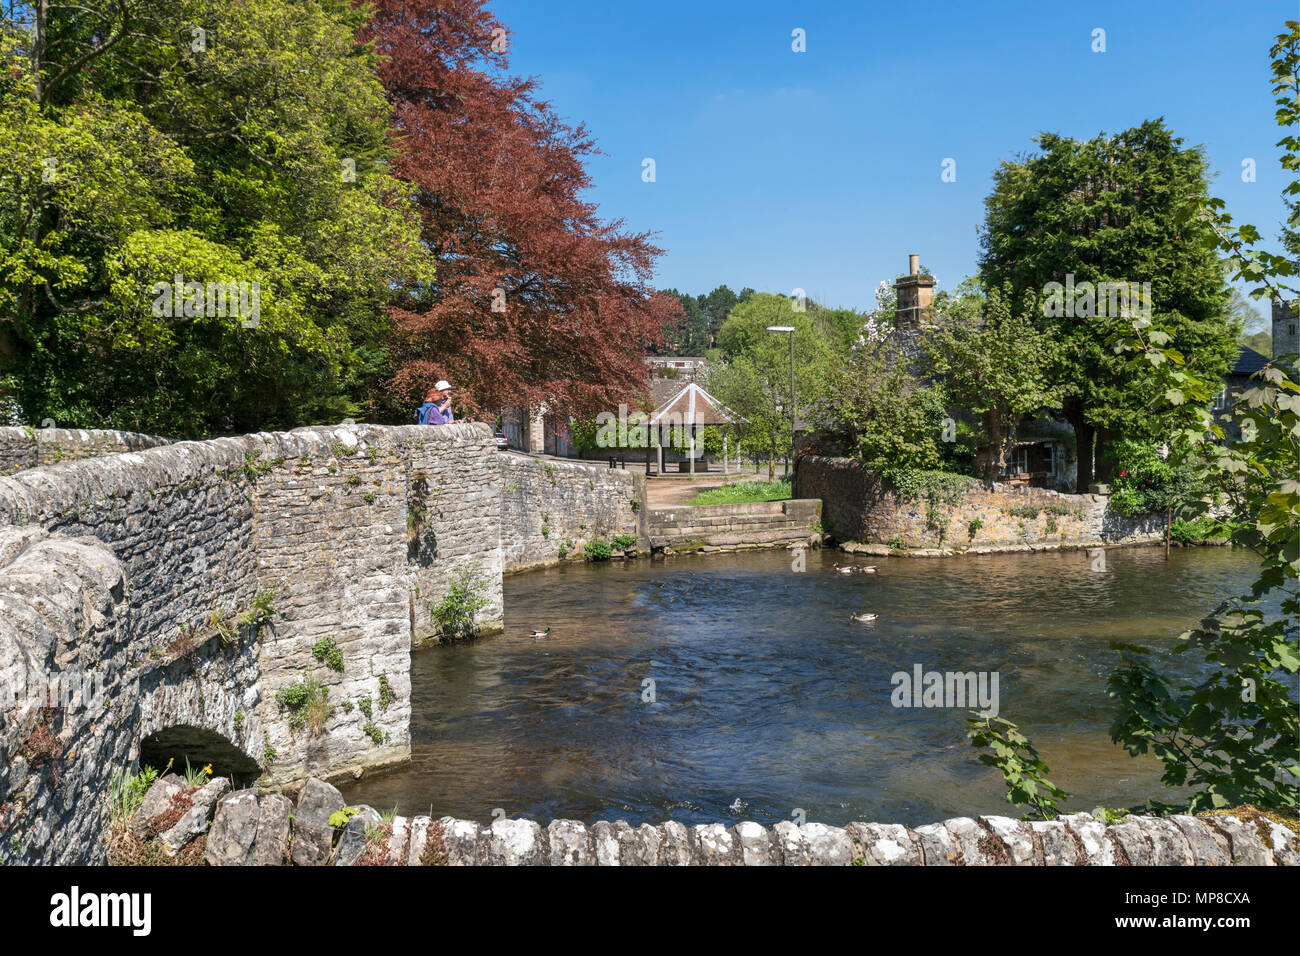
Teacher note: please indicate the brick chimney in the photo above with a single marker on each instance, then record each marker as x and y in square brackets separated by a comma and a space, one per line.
[915, 297]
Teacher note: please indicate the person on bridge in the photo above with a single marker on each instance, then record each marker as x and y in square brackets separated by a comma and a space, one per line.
[436, 409]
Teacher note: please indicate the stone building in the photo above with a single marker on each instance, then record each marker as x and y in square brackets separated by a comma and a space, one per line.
[1286, 329]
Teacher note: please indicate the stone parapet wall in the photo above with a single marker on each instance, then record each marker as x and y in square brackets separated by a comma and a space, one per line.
[22, 448]
[987, 516]
[765, 524]
[1075, 840]
[551, 508]
[453, 518]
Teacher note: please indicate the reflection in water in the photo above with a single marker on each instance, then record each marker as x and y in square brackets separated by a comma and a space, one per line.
[765, 692]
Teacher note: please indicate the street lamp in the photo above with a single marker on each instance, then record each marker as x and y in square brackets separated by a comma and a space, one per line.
[790, 330]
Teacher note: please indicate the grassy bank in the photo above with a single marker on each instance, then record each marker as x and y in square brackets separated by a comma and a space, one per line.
[743, 492]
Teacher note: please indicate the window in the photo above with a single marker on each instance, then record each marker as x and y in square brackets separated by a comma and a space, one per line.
[1291, 330]
[1221, 401]
[1049, 459]
[1017, 461]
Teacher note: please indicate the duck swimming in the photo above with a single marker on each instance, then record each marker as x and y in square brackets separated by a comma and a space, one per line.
[863, 618]
[538, 635]
[855, 568]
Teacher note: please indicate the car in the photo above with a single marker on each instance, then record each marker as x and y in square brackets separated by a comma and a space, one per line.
[499, 437]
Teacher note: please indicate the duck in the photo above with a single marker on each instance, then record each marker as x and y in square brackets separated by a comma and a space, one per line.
[538, 635]
[863, 618]
[844, 568]
[855, 568]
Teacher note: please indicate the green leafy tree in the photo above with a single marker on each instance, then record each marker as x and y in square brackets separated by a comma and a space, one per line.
[1106, 210]
[238, 144]
[999, 365]
[881, 414]
[754, 381]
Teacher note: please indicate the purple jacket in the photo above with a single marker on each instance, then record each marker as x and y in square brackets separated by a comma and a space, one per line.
[435, 417]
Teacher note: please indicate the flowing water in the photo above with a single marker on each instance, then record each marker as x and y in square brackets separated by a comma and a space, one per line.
[767, 698]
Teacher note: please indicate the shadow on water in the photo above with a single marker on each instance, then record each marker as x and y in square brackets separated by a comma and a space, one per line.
[767, 697]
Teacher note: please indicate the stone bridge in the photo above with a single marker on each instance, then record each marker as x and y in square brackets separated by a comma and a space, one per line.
[179, 591]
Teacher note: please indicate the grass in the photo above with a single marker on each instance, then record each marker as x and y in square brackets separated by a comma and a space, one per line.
[743, 492]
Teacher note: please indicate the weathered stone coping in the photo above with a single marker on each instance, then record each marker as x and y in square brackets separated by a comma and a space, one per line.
[1075, 840]
[23, 447]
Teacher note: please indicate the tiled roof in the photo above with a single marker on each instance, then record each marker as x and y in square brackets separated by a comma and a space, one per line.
[692, 405]
[1248, 362]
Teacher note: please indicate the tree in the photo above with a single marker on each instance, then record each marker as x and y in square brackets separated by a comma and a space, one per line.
[755, 379]
[1105, 211]
[141, 151]
[996, 364]
[690, 334]
[536, 300]
[882, 415]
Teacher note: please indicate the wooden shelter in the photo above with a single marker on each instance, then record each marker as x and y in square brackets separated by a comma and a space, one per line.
[690, 407]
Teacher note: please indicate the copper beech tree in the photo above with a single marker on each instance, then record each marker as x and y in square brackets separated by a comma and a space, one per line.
[536, 298]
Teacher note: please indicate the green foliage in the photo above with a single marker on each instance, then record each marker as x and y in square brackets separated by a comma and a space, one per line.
[1111, 208]
[453, 616]
[126, 791]
[624, 542]
[597, 550]
[372, 731]
[1109, 817]
[1197, 529]
[881, 415]
[221, 165]
[999, 365]
[196, 777]
[974, 526]
[742, 492]
[328, 653]
[1145, 483]
[307, 702]
[260, 612]
[941, 487]
[340, 818]
[1023, 771]
[1225, 721]
[366, 706]
[386, 695]
[753, 380]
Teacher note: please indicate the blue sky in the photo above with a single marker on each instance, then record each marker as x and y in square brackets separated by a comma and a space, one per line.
[821, 170]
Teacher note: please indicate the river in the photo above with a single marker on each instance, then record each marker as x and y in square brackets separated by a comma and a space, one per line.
[768, 700]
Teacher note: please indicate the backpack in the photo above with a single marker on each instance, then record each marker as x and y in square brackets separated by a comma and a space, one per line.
[422, 413]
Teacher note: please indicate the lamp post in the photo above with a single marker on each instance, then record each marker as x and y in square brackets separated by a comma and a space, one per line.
[789, 329]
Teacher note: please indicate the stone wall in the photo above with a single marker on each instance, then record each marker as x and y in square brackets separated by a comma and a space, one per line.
[22, 448]
[454, 519]
[152, 557]
[550, 509]
[1075, 840]
[765, 524]
[987, 517]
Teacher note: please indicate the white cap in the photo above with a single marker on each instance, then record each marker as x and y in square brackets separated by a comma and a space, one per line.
[443, 385]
